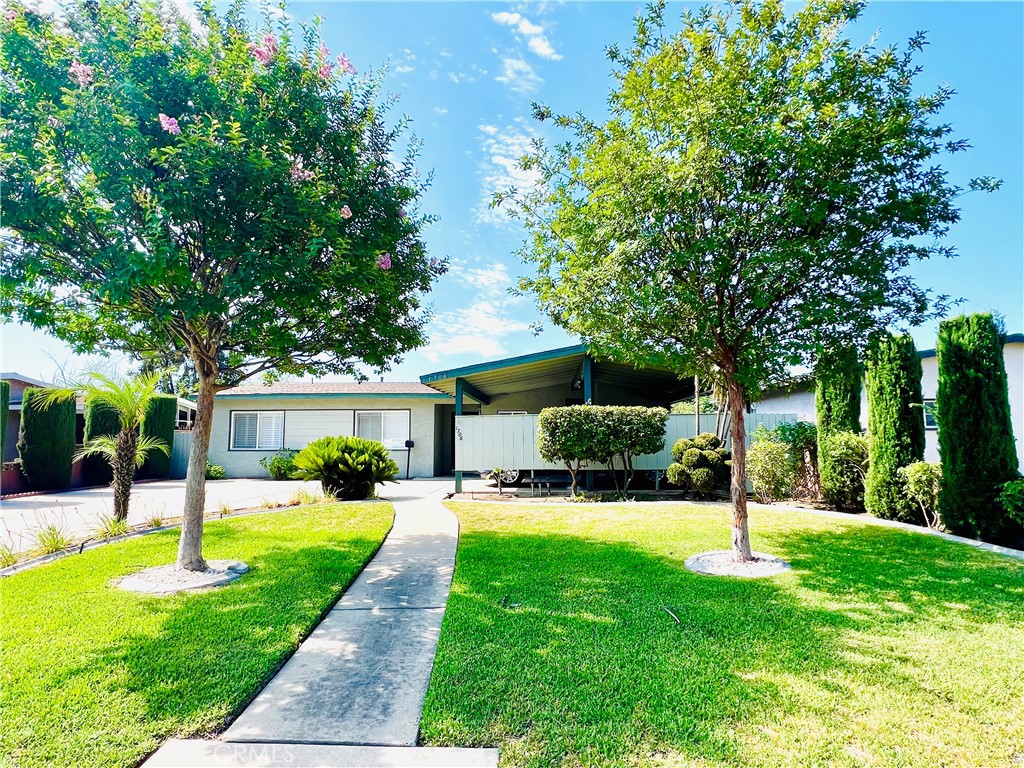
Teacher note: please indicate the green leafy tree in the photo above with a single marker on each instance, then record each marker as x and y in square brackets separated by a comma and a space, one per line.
[976, 444]
[895, 425]
[46, 442]
[837, 405]
[756, 194]
[203, 188]
[159, 423]
[125, 451]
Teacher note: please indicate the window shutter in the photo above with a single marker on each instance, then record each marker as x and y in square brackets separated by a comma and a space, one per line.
[271, 432]
[396, 428]
[245, 430]
[368, 425]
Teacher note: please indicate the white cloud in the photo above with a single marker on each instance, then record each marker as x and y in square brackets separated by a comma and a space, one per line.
[518, 75]
[403, 68]
[477, 329]
[536, 40]
[440, 111]
[499, 169]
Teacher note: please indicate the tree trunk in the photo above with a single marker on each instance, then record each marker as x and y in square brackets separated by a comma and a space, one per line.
[738, 482]
[123, 470]
[190, 546]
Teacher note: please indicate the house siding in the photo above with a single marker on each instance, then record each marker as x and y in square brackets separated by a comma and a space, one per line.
[307, 417]
[801, 402]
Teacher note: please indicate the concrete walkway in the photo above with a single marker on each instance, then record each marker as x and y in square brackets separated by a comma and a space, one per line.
[352, 694]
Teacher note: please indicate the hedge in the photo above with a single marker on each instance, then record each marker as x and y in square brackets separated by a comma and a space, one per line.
[161, 418]
[579, 434]
[976, 445]
[5, 402]
[100, 420]
[837, 404]
[895, 425]
[46, 442]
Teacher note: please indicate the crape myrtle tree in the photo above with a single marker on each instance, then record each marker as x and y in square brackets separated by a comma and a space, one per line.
[757, 193]
[195, 186]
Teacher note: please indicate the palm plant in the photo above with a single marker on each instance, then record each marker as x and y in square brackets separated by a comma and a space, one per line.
[127, 450]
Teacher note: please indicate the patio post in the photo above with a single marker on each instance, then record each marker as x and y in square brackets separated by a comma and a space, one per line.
[459, 392]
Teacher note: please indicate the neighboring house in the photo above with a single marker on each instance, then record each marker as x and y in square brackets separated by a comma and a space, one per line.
[798, 397]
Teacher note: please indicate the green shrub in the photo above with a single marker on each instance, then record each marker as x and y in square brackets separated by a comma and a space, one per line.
[680, 447]
[702, 481]
[837, 403]
[769, 467]
[348, 468]
[5, 402]
[895, 425]
[976, 442]
[707, 441]
[579, 434]
[215, 472]
[843, 485]
[693, 458]
[678, 475]
[161, 419]
[100, 420]
[708, 404]
[1011, 498]
[921, 482]
[802, 439]
[46, 442]
[281, 464]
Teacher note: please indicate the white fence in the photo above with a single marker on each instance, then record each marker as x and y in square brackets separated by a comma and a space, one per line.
[485, 442]
[179, 454]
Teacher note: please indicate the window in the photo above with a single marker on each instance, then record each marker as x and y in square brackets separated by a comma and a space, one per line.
[257, 430]
[929, 415]
[388, 427]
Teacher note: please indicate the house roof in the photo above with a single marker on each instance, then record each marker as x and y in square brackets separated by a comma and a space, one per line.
[15, 376]
[334, 389]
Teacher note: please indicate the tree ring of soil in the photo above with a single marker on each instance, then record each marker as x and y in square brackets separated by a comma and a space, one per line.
[722, 563]
[169, 579]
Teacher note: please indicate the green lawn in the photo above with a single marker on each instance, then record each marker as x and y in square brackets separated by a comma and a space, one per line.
[95, 676]
[880, 648]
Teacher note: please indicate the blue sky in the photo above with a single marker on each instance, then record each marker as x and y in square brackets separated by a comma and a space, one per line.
[467, 72]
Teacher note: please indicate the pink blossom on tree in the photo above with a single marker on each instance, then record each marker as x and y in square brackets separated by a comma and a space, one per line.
[270, 44]
[346, 212]
[301, 174]
[80, 73]
[11, 14]
[260, 53]
[384, 261]
[345, 65]
[170, 124]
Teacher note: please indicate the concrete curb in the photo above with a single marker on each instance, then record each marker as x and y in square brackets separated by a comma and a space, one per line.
[829, 513]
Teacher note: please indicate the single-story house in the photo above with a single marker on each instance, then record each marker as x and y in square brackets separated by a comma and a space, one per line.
[798, 397]
[472, 418]
[251, 422]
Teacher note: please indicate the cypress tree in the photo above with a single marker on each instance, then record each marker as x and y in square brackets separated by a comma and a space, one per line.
[837, 404]
[5, 402]
[161, 418]
[46, 442]
[100, 419]
[972, 408]
[895, 425]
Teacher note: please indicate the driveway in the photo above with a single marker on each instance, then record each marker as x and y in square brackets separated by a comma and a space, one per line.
[78, 513]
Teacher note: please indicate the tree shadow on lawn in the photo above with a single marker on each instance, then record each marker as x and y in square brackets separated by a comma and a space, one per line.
[216, 649]
[558, 648]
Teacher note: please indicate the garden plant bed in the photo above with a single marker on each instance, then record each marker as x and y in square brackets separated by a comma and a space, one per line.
[98, 676]
[881, 646]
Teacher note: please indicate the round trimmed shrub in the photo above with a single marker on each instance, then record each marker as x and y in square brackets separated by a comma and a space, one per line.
[692, 458]
[702, 481]
[681, 446]
[707, 441]
[215, 472]
[677, 475]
